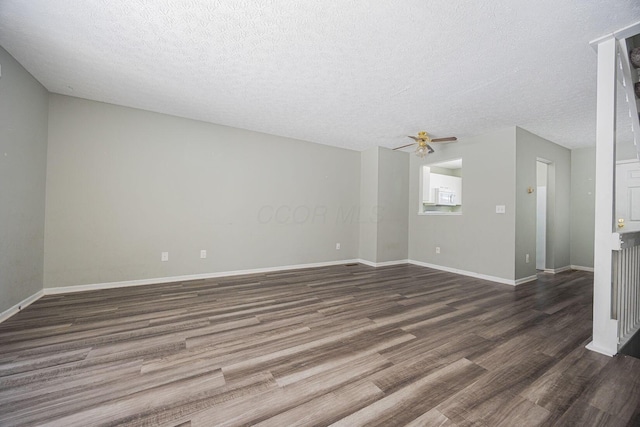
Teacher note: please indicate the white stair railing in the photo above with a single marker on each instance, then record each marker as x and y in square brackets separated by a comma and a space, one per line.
[626, 286]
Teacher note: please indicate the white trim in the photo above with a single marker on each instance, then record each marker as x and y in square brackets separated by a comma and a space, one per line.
[365, 262]
[157, 280]
[526, 280]
[625, 162]
[581, 268]
[557, 270]
[595, 43]
[628, 31]
[20, 306]
[466, 273]
[111, 285]
[384, 263]
[545, 161]
[605, 327]
[436, 213]
[388, 263]
[602, 350]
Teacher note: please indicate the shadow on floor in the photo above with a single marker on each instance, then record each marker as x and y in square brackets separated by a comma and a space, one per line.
[632, 348]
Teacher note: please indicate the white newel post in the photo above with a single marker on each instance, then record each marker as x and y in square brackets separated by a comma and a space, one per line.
[605, 331]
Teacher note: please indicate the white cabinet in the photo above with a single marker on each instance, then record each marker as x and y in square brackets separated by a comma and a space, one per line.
[444, 183]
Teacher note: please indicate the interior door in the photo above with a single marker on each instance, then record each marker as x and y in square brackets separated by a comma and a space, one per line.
[541, 228]
[628, 196]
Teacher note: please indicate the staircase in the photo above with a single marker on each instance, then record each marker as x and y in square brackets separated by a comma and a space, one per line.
[629, 77]
[626, 271]
[616, 304]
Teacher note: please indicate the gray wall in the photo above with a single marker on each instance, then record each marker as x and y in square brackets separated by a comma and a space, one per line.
[530, 147]
[479, 240]
[384, 196]
[123, 185]
[393, 201]
[583, 184]
[23, 154]
[368, 207]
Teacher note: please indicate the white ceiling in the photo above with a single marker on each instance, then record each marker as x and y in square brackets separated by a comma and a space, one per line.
[353, 74]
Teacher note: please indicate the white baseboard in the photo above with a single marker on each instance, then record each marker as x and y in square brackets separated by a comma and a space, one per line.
[384, 263]
[156, 280]
[141, 282]
[467, 273]
[581, 268]
[526, 280]
[557, 270]
[20, 306]
[593, 347]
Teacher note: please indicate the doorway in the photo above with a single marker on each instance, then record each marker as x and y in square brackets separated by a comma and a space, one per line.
[542, 178]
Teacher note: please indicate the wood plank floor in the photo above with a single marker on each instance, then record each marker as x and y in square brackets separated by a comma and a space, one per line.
[344, 345]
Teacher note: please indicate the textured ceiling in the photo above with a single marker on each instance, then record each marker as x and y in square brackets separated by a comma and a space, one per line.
[353, 74]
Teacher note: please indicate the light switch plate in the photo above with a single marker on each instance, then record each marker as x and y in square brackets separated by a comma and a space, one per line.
[500, 209]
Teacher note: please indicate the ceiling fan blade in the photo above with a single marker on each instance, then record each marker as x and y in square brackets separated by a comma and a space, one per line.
[448, 139]
[415, 138]
[431, 150]
[404, 146]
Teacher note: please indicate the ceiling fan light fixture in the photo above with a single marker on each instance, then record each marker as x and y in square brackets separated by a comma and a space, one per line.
[422, 151]
[423, 139]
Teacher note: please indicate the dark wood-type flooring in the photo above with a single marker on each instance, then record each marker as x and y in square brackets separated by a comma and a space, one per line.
[343, 345]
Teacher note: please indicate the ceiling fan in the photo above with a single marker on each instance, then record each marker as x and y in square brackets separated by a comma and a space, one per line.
[423, 139]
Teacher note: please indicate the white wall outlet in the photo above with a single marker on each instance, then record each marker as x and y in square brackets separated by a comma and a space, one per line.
[437, 249]
[337, 246]
[164, 256]
[500, 209]
[526, 258]
[203, 254]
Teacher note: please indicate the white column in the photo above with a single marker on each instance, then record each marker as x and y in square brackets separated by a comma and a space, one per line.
[605, 331]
